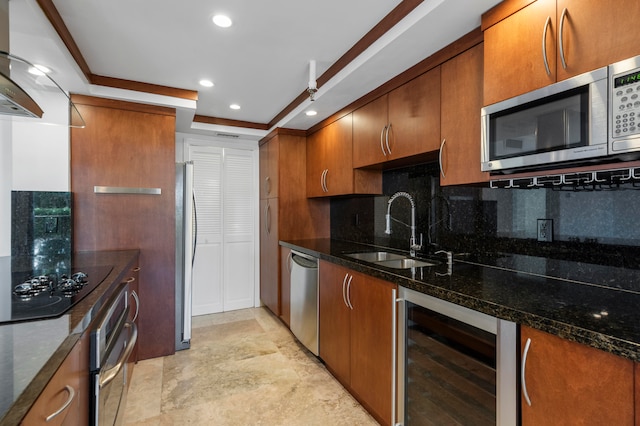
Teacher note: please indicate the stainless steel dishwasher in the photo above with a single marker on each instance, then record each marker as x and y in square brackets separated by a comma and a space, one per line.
[304, 300]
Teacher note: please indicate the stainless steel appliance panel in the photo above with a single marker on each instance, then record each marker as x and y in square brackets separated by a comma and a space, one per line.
[304, 300]
[186, 235]
[456, 365]
[624, 106]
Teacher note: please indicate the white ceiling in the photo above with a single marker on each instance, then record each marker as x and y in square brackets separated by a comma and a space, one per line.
[260, 63]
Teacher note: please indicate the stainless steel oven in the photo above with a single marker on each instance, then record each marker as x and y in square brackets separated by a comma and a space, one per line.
[112, 340]
[456, 365]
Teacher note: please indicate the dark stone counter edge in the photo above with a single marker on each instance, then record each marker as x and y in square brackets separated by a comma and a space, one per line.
[611, 344]
[81, 318]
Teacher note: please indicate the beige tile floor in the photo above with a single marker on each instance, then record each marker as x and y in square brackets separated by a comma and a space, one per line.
[244, 368]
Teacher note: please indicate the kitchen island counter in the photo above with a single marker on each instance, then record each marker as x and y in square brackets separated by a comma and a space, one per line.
[590, 304]
[31, 352]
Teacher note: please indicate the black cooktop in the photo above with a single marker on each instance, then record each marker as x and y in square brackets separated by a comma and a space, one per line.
[35, 294]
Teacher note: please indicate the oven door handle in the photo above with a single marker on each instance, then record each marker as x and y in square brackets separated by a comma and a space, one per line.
[111, 373]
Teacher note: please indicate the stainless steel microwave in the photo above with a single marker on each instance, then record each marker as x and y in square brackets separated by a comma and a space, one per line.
[562, 122]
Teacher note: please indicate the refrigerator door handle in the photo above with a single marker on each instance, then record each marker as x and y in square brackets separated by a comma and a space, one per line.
[189, 252]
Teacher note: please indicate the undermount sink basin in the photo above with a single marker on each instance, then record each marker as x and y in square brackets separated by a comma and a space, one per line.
[406, 263]
[376, 256]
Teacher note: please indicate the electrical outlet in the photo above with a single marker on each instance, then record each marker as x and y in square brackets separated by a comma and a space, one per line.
[545, 230]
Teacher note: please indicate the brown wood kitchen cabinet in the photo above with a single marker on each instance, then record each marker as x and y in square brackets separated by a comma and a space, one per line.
[130, 145]
[588, 34]
[356, 335]
[570, 383]
[68, 387]
[460, 122]
[285, 211]
[402, 123]
[329, 163]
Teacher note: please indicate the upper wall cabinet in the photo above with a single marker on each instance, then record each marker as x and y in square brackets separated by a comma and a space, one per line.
[402, 123]
[460, 146]
[549, 41]
[330, 167]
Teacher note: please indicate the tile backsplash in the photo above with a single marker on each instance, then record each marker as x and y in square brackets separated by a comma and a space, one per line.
[598, 226]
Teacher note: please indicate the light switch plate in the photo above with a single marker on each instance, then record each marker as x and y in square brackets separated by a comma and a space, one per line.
[545, 230]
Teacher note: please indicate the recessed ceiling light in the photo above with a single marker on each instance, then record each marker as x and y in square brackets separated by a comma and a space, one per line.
[39, 70]
[222, 21]
[206, 83]
[311, 113]
[234, 106]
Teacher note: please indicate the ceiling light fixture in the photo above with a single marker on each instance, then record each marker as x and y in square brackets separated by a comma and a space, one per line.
[234, 106]
[313, 85]
[311, 113]
[206, 83]
[222, 21]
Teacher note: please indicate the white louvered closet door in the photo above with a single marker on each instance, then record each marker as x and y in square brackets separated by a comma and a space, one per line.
[223, 276]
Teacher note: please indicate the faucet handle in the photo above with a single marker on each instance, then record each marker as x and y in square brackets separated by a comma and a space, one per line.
[449, 256]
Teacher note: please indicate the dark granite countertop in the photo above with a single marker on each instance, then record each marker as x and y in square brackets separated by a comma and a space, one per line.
[31, 352]
[591, 304]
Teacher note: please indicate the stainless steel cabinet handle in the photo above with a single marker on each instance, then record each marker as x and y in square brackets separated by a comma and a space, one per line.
[544, 45]
[267, 185]
[349, 292]
[136, 269]
[382, 132]
[67, 403]
[440, 157]
[111, 373]
[525, 393]
[560, 38]
[387, 138]
[267, 218]
[137, 299]
[344, 288]
[326, 188]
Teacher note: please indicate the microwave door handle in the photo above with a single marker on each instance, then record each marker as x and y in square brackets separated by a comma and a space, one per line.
[544, 45]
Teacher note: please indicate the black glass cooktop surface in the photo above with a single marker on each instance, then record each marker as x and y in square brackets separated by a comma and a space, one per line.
[41, 294]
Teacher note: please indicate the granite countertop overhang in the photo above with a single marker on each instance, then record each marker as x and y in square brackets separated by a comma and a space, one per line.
[590, 304]
[52, 340]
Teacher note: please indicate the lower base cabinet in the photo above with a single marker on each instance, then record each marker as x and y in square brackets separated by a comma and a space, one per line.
[569, 383]
[356, 335]
[65, 399]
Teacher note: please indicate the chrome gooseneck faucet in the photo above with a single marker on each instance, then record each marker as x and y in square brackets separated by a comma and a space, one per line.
[413, 243]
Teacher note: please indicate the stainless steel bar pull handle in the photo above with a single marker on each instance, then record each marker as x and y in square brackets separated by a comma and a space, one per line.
[111, 373]
[387, 138]
[561, 39]
[267, 185]
[440, 157]
[67, 403]
[326, 188]
[349, 292]
[523, 370]
[267, 218]
[382, 132]
[344, 289]
[544, 45]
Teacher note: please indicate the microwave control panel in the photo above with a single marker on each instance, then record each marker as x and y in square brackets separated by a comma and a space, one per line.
[625, 104]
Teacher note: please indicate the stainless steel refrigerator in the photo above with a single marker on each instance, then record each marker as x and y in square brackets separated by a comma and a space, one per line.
[186, 236]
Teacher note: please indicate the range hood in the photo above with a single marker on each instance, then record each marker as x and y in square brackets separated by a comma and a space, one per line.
[20, 80]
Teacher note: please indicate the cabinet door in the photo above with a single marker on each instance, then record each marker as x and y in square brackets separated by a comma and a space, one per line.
[269, 255]
[513, 55]
[460, 157]
[285, 285]
[369, 133]
[596, 34]
[414, 116]
[334, 320]
[269, 154]
[372, 343]
[70, 384]
[569, 383]
[316, 163]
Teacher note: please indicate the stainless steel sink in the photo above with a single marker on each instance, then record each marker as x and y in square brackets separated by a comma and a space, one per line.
[406, 263]
[376, 256]
[391, 260]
